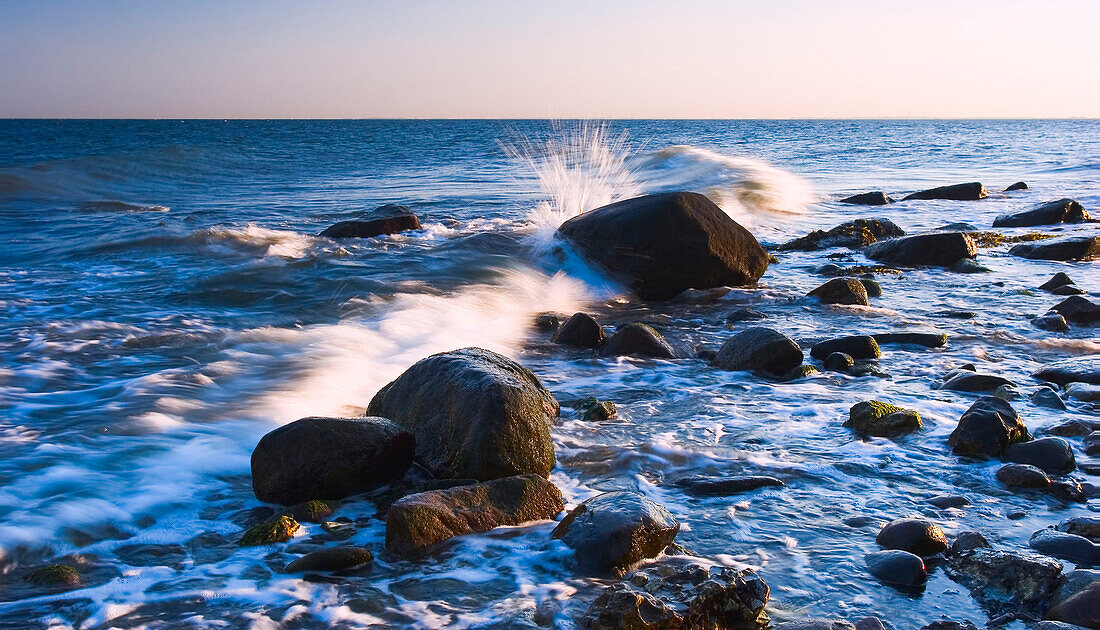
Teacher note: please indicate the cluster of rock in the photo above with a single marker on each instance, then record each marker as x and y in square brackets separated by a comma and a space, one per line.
[387, 219]
[635, 339]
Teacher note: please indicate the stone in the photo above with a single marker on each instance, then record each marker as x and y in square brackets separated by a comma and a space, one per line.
[1068, 248]
[663, 244]
[970, 191]
[315, 511]
[1059, 279]
[897, 568]
[475, 415]
[838, 362]
[744, 315]
[612, 531]
[967, 541]
[1068, 289]
[987, 428]
[841, 291]
[580, 331]
[414, 524]
[1083, 392]
[856, 346]
[1052, 455]
[547, 322]
[1083, 609]
[681, 594]
[941, 249]
[276, 530]
[1072, 428]
[1078, 310]
[815, 624]
[1052, 322]
[1067, 491]
[387, 219]
[53, 575]
[870, 623]
[1046, 397]
[946, 501]
[1074, 370]
[928, 340]
[1064, 546]
[1023, 476]
[329, 458]
[760, 349]
[853, 234]
[1048, 213]
[1087, 526]
[1016, 186]
[877, 198]
[881, 419]
[970, 382]
[874, 289]
[331, 559]
[916, 535]
[595, 410]
[638, 340]
[1003, 582]
[725, 486]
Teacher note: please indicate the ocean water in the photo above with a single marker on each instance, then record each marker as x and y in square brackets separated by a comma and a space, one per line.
[165, 303]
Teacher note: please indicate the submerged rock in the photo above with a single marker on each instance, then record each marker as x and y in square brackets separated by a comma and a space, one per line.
[759, 349]
[928, 340]
[1064, 546]
[315, 511]
[877, 198]
[580, 331]
[1048, 213]
[612, 531]
[595, 410]
[332, 559]
[329, 458]
[853, 234]
[971, 382]
[941, 249]
[638, 340]
[881, 419]
[276, 530]
[1017, 186]
[874, 289]
[841, 291]
[53, 575]
[970, 191]
[1078, 310]
[1074, 370]
[1004, 583]
[475, 415]
[897, 568]
[417, 522]
[987, 428]
[1071, 248]
[1023, 476]
[387, 219]
[1059, 279]
[662, 244]
[681, 594]
[838, 362]
[946, 501]
[724, 487]
[1087, 526]
[815, 624]
[1052, 322]
[916, 535]
[856, 346]
[1050, 454]
[744, 315]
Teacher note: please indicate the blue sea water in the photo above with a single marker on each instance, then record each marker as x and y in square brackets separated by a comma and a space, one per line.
[166, 302]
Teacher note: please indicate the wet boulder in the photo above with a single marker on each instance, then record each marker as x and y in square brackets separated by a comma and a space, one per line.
[877, 198]
[853, 234]
[329, 458]
[1078, 310]
[916, 535]
[580, 331]
[1052, 455]
[855, 346]
[761, 349]
[1023, 476]
[841, 291]
[838, 362]
[1059, 279]
[972, 382]
[593, 409]
[1052, 322]
[941, 249]
[928, 340]
[275, 530]
[387, 219]
[897, 568]
[987, 428]
[971, 191]
[1074, 370]
[744, 315]
[54, 575]
[1087, 526]
[331, 559]
[417, 522]
[815, 624]
[1064, 546]
[475, 414]
[701, 486]
[1065, 249]
[638, 340]
[1003, 582]
[881, 419]
[1016, 186]
[1081, 609]
[661, 245]
[679, 593]
[1048, 213]
[612, 531]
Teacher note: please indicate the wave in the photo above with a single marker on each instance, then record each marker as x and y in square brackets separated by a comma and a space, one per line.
[119, 206]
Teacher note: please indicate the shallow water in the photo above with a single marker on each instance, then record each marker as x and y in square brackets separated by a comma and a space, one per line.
[165, 305]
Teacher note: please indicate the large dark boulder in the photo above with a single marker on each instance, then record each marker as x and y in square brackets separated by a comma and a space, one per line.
[1082, 609]
[1048, 213]
[638, 340]
[759, 349]
[855, 346]
[897, 568]
[475, 415]
[853, 234]
[841, 291]
[580, 331]
[387, 219]
[681, 593]
[1051, 454]
[612, 531]
[987, 428]
[1071, 248]
[1006, 583]
[970, 191]
[329, 458]
[662, 244]
[1075, 370]
[1078, 310]
[916, 535]
[941, 249]
[1023, 476]
[877, 198]
[417, 522]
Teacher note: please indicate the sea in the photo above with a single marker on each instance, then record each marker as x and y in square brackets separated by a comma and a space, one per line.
[166, 301]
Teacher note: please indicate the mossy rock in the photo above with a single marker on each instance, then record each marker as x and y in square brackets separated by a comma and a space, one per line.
[595, 410]
[315, 511]
[279, 529]
[993, 239]
[53, 575]
[881, 419]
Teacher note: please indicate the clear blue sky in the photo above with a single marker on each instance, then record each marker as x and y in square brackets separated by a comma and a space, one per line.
[519, 58]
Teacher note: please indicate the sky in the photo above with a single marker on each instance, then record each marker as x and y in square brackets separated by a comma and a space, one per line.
[550, 59]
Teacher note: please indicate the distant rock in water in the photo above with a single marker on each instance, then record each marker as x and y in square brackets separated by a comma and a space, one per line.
[661, 245]
[941, 249]
[387, 219]
[877, 198]
[759, 348]
[971, 191]
[1017, 186]
[987, 428]
[638, 340]
[1072, 248]
[853, 234]
[1058, 280]
[723, 487]
[1049, 213]
[966, 381]
[916, 535]
[1074, 370]
[612, 531]
[1078, 310]
[475, 415]
[855, 346]
[842, 291]
[580, 331]
[329, 458]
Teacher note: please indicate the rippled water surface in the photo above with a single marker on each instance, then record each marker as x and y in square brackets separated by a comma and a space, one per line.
[165, 304]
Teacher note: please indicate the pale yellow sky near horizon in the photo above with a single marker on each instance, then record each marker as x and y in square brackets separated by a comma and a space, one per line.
[496, 59]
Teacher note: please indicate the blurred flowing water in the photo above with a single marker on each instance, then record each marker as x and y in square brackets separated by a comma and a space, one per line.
[166, 303]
